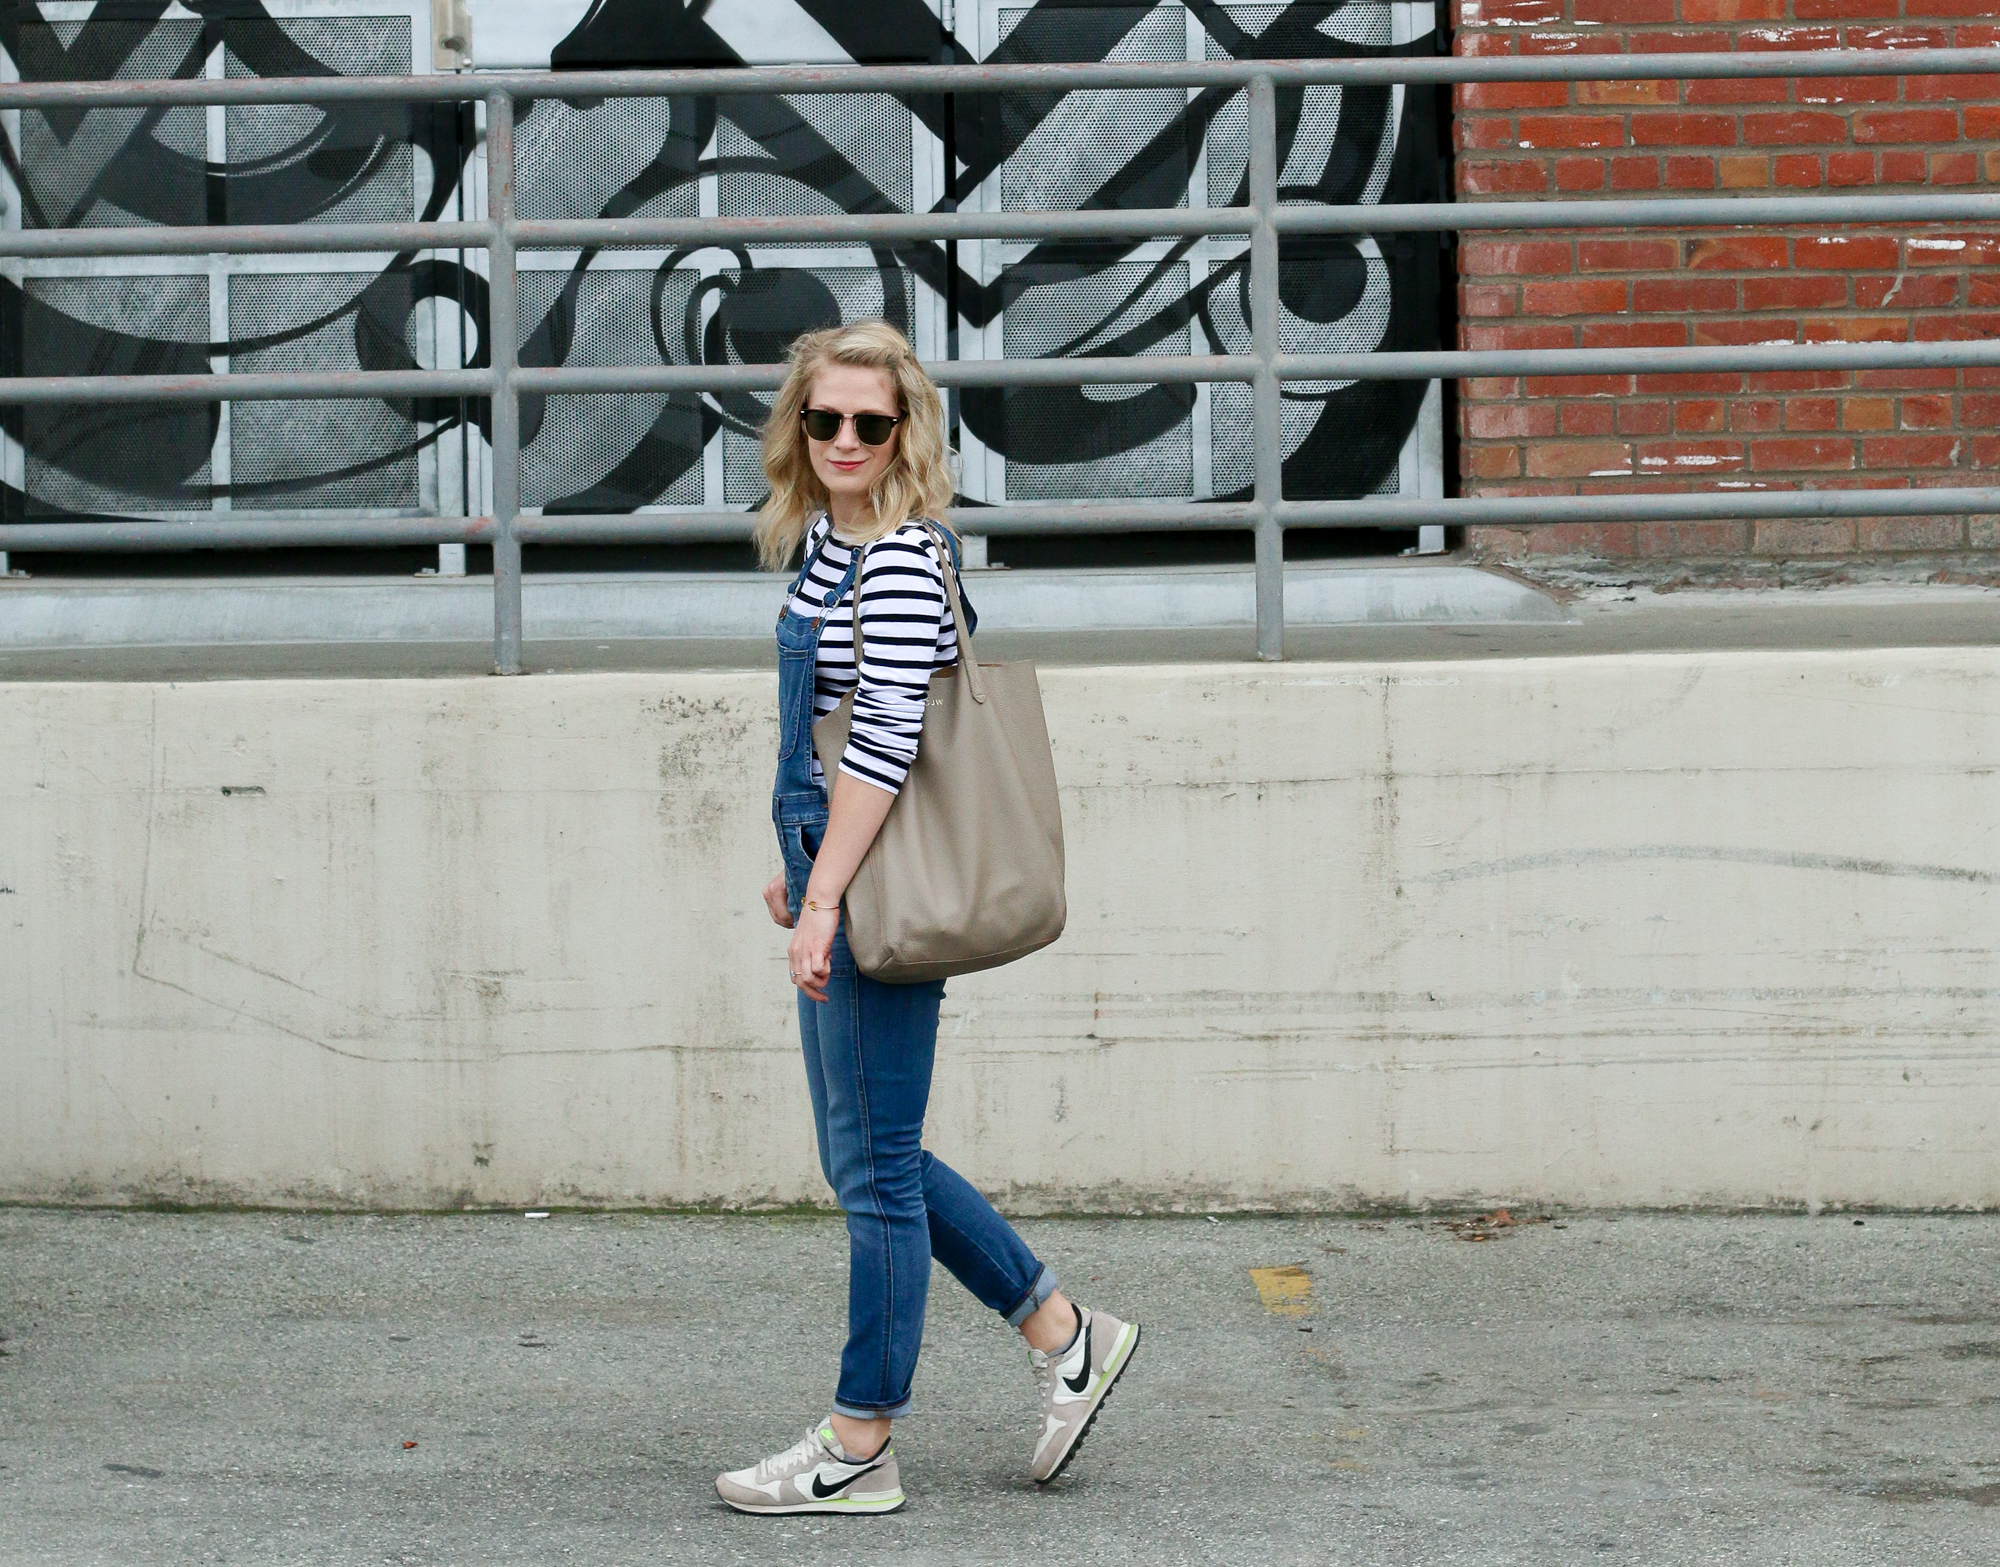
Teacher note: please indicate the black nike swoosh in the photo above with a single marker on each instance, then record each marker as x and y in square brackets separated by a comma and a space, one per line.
[1082, 1377]
[821, 1493]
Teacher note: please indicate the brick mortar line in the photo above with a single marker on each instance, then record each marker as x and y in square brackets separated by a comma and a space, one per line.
[1873, 35]
[1753, 431]
[1527, 17]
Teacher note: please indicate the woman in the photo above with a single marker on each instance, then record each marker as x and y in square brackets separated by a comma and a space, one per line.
[856, 458]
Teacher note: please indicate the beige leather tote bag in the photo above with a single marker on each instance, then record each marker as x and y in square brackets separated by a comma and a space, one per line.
[967, 872]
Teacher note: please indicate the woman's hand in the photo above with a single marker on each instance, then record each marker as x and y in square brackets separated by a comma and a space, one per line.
[811, 951]
[774, 900]
[855, 815]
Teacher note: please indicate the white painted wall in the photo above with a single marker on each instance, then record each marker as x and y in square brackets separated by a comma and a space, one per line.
[1712, 928]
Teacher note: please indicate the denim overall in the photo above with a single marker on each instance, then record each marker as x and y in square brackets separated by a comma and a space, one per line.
[798, 805]
[869, 1049]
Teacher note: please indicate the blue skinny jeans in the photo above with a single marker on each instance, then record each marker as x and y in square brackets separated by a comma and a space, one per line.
[869, 1048]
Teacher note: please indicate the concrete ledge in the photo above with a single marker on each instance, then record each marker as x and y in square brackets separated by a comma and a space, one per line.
[722, 605]
[1711, 928]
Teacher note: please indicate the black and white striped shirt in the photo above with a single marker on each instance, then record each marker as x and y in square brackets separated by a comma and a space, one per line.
[906, 633]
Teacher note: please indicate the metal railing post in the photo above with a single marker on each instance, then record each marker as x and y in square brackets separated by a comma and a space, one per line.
[1267, 402]
[503, 340]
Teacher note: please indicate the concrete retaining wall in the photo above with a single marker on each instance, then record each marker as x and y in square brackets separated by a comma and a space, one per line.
[1714, 928]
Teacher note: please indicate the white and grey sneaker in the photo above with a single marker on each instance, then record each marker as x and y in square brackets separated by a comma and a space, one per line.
[1075, 1383]
[816, 1476]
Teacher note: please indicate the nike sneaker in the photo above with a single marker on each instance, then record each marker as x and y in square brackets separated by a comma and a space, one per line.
[1075, 1382]
[815, 1477]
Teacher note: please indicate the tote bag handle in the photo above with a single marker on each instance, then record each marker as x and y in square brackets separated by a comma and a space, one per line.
[968, 662]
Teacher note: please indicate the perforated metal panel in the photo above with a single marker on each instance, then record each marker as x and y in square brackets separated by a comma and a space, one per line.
[347, 453]
[132, 457]
[1070, 315]
[1072, 310]
[1355, 24]
[794, 300]
[111, 167]
[1228, 139]
[772, 154]
[804, 155]
[1354, 289]
[1356, 331]
[576, 162]
[1367, 22]
[1228, 143]
[1090, 137]
[281, 165]
[627, 450]
[1103, 148]
[290, 163]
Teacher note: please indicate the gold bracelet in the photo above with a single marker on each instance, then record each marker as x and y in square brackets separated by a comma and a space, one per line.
[821, 908]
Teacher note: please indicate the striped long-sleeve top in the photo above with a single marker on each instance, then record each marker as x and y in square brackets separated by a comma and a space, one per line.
[906, 633]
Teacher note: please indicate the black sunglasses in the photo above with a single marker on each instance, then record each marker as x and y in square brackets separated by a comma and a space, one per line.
[823, 424]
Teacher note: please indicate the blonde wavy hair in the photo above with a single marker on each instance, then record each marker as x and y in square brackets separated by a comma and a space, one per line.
[918, 482]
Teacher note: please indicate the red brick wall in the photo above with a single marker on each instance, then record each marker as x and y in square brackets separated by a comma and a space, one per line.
[1582, 435]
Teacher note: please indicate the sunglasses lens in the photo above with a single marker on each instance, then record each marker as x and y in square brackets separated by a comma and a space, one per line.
[823, 424]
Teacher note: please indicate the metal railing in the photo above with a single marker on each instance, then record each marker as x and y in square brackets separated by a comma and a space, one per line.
[1267, 514]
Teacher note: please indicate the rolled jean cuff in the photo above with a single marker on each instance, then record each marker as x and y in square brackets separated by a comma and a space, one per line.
[890, 1412]
[1044, 1287]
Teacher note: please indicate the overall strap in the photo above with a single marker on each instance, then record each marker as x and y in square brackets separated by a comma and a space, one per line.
[806, 564]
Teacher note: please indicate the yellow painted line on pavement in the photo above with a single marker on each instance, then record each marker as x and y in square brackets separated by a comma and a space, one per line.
[1285, 1292]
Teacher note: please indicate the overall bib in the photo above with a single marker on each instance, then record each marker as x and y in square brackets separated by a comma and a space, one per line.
[869, 1049]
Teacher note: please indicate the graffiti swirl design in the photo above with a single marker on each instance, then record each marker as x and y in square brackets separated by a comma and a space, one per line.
[584, 158]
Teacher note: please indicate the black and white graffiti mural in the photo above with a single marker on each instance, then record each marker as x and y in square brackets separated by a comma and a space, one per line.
[686, 157]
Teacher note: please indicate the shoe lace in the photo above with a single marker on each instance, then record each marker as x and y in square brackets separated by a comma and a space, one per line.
[795, 1456]
[1044, 1367]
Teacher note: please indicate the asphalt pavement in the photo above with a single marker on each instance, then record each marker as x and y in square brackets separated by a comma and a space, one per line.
[494, 1388]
